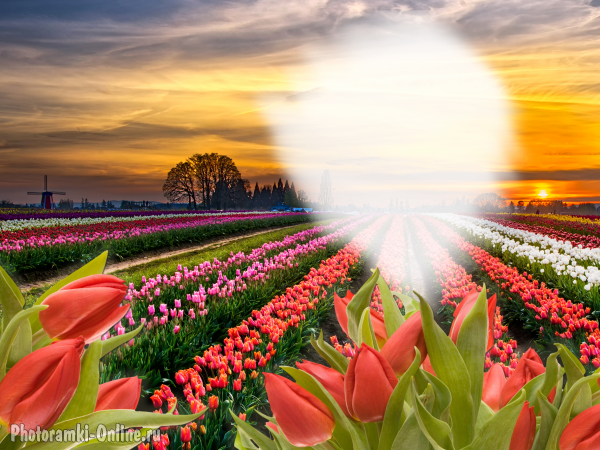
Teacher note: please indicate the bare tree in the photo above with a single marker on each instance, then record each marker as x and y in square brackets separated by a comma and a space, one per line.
[217, 180]
[326, 193]
[180, 184]
[489, 202]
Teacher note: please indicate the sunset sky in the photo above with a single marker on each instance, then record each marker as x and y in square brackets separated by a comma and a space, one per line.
[419, 100]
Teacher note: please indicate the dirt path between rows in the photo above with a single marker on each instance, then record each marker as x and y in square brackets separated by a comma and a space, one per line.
[115, 267]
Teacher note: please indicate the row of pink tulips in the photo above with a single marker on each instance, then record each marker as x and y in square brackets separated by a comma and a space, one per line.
[250, 346]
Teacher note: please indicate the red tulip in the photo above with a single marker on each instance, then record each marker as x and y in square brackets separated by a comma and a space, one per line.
[524, 431]
[123, 393]
[341, 303]
[399, 350]
[463, 309]
[368, 385]
[331, 380]
[86, 307]
[186, 434]
[583, 432]
[529, 366]
[39, 387]
[493, 382]
[303, 418]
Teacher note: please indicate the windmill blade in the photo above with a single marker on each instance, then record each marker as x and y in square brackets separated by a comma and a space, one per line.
[34, 193]
[59, 193]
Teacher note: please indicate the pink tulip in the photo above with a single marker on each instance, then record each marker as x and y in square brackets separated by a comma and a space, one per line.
[368, 384]
[303, 418]
[86, 307]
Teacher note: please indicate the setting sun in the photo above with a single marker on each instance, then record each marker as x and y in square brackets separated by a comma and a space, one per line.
[543, 194]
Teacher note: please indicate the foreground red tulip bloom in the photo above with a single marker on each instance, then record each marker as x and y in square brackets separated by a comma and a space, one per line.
[341, 303]
[493, 382]
[302, 417]
[529, 366]
[583, 432]
[368, 385]
[464, 308]
[86, 307]
[123, 393]
[331, 380]
[399, 350]
[524, 431]
[39, 387]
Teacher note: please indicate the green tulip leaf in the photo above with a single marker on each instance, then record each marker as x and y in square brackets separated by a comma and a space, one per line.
[243, 441]
[575, 372]
[485, 414]
[353, 437]
[564, 412]
[335, 359]
[410, 436]
[549, 413]
[410, 304]
[443, 397]
[110, 344]
[393, 418]
[12, 302]
[472, 345]
[110, 418]
[366, 334]
[452, 371]
[94, 267]
[496, 432]
[129, 443]
[360, 301]
[392, 316]
[86, 395]
[263, 442]
[435, 430]
[11, 332]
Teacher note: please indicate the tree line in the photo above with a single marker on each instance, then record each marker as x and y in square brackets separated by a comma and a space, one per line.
[211, 181]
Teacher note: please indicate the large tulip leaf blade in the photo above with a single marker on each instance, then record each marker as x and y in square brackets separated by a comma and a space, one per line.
[335, 359]
[360, 301]
[435, 430]
[392, 316]
[261, 440]
[549, 413]
[110, 344]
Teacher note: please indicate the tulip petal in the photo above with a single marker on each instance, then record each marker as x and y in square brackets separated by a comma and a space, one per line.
[524, 432]
[303, 418]
[331, 379]
[399, 349]
[493, 382]
[583, 432]
[123, 393]
[340, 305]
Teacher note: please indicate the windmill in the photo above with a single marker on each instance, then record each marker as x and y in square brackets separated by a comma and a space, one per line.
[47, 199]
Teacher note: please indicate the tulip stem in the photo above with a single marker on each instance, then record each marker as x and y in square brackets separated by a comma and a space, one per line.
[372, 430]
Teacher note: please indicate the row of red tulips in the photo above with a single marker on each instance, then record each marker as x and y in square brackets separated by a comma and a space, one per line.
[233, 370]
[585, 240]
[451, 276]
[557, 319]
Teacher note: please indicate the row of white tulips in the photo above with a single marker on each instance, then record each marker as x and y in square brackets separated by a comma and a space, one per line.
[560, 257]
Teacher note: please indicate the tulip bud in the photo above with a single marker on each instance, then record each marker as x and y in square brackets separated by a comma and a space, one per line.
[524, 432]
[331, 380]
[529, 366]
[341, 303]
[86, 307]
[368, 384]
[399, 350]
[38, 388]
[186, 434]
[463, 309]
[302, 417]
[493, 382]
[123, 393]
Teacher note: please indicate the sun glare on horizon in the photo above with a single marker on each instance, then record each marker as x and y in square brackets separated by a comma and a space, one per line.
[543, 193]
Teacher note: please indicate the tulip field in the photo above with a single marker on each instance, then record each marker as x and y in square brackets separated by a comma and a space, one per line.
[38, 242]
[431, 314]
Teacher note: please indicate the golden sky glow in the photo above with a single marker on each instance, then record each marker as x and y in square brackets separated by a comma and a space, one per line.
[105, 99]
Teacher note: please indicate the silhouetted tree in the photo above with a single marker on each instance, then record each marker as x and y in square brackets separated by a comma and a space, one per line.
[326, 192]
[180, 184]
